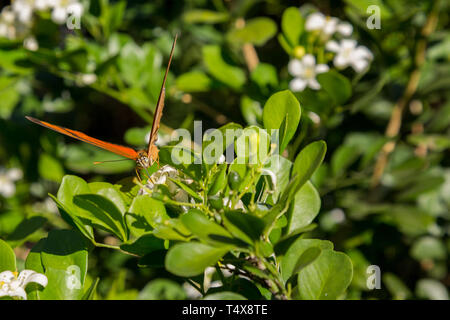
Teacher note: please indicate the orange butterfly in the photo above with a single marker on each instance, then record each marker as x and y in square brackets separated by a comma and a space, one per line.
[144, 158]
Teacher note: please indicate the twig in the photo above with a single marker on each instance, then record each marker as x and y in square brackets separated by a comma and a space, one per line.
[395, 121]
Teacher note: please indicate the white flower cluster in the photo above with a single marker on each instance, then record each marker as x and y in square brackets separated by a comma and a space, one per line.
[8, 177]
[17, 19]
[163, 176]
[346, 53]
[13, 284]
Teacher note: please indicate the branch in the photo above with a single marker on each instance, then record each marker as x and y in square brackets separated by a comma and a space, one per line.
[395, 122]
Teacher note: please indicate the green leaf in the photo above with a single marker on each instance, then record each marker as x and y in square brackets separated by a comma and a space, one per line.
[64, 257]
[25, 229]
[295, 251]
[162, 289]
[307, 257]
[191, 259]
[265, 76]
[90, 293]
[172, 229]
[219, 182]
[396, 287]
[428, 248]
[183, 186]
[145, 213]
[244, 226]
[143, 245]
[194, 81]
[205, 16]
[205, 229]
[308, 160]
[336, 85]
[305, 207]
[7, 257]
[326, 278]
[224, 295]
[103, 213]
[292, 25]
[277, 107]
[70, 187]
[256, 31]
[50, 168]
[232, 76]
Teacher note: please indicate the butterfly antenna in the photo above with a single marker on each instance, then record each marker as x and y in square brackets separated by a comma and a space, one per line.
[100, 162]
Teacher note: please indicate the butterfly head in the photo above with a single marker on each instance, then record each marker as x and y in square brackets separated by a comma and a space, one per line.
[143, 160]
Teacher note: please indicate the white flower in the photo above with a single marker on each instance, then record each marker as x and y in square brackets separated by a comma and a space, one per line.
[348, 53]
[64, 8]
[327, 25]
[7, 179]
[304, 72]
[30, 43]
[23, 10]
[42, 5]
[14, 286]
[162, 177]
[88, 78]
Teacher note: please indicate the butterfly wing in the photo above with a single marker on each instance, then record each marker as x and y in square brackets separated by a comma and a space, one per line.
[160, 104]
[115, 148]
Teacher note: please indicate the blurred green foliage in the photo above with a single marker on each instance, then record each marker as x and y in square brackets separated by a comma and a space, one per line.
[230, 68]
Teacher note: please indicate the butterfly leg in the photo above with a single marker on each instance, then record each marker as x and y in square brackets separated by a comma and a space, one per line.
[138, 175]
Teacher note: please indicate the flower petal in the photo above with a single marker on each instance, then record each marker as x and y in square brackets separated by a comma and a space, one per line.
[333, 46]
[297, 84]
[330, 26]
[308, 60]
[348, 44]
[345, 28]
[15, 174]
[315, 21]
[59, 15]
[359, 65]
[18, 292]
[321, 68]
[27, 276]
[313, 84]
[361, 52]
[340, 61]
[295, 67]
[6, 276]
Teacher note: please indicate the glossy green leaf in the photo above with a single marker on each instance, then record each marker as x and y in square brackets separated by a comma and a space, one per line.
[279, 106]
[205, 16]
[162, 289]
[7, 257]
[292, 25]
[103, 213]
[305, 207]
[232, 76]
[326, 278]
[191, 259]
[194, 81]
[244, 226]
[205, 229]
[336, 85]
[295, 251]
[256, 31]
